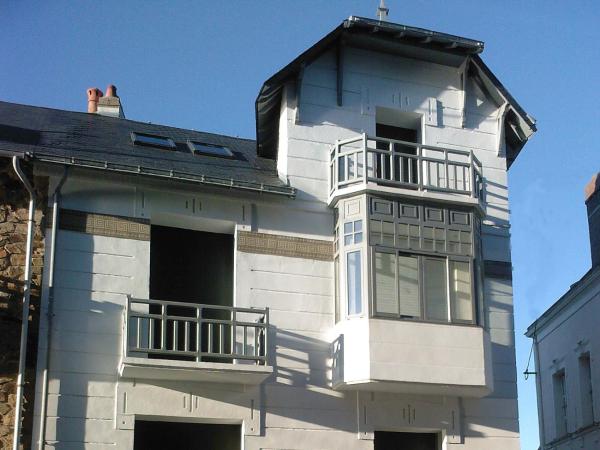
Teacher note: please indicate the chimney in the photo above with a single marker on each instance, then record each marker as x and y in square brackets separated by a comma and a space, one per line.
[110, 104]
[105, 105]
[592, 201]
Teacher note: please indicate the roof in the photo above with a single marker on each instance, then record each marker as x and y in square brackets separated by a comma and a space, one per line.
[592, 276]
[386, 37]
[104, 143]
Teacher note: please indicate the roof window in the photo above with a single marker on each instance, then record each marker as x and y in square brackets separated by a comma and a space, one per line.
[151, 140]
[209, 149]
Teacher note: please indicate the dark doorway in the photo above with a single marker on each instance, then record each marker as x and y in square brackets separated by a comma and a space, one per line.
[405, 167]
[385, 440]
[193, 267]
[185, 436]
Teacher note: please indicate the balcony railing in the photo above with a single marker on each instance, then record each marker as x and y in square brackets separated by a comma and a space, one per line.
[387, 162]
[193, 332]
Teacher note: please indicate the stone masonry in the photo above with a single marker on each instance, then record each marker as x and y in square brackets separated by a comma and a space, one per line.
[13, 236]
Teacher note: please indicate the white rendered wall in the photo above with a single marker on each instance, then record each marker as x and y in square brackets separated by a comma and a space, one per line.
[561, 341]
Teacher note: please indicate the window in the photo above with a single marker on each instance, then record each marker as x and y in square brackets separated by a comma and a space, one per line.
[353, 232]
[150, 140]
[560, 403]
[424, 287]
[353, 282]
[209, 149]
[586, 391]
[422, 261]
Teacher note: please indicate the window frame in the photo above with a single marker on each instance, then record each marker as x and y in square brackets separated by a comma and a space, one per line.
[137, 139]
[192, 146]
[346, 250]
[421, 257]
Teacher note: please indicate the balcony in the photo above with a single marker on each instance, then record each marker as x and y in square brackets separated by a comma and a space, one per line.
[180, 341]
[403, 167]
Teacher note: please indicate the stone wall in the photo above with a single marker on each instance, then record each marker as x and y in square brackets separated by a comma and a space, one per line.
[13, 236]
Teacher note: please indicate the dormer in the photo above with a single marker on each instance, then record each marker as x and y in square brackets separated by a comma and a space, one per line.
[367, 85]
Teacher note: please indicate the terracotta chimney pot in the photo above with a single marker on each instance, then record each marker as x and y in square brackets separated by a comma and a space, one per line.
[592, 186]
[111, 91]
[94, 95]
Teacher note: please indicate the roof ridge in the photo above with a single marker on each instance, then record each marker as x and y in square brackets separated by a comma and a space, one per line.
[121, 120]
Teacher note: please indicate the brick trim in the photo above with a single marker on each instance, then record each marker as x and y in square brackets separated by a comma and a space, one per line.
[275, 244]
[104, 225]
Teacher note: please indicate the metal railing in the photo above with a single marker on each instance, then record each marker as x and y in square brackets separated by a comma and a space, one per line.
[365, 159]
[193, 332]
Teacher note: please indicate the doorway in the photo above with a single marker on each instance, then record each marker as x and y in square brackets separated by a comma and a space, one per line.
[385, 440]
[194, 267]
[149, 435]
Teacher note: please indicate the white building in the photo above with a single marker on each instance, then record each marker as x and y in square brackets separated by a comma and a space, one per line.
[344, 282]
[566, 347]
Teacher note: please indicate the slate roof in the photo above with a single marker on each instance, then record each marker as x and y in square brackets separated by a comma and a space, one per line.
[104, 143]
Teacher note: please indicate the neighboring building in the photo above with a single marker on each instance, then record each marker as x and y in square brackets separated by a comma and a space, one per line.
[342, 282]
[566, 347]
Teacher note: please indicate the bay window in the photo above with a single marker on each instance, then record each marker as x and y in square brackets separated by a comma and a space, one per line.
[422, 261]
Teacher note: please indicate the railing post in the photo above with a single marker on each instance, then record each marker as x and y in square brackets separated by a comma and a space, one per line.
[472, 175]
[233, 331]
[198, 333]
[266, 335]
[163, 327]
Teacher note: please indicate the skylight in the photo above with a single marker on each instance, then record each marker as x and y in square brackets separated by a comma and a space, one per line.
[151, 140]
[209, 149]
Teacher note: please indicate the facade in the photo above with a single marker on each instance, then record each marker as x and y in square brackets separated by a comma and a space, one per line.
[566, 344]
[344, 281]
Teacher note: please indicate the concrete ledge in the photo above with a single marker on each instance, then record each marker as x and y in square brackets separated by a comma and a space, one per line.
[161, 369]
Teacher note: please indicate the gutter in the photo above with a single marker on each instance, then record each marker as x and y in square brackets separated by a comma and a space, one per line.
[538, 385]
[50, 311]
[26, 300]
[131, 169]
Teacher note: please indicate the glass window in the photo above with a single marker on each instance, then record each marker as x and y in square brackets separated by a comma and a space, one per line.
[560, 403]
[336, 289]
[586, 392]
[353, 232]
[209, 149]
[354, 282]
[436, 298]
[461, 305]
[151, 140]
[408, 286]
[385, 283]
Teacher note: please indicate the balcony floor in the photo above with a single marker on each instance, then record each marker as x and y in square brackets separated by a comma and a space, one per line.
[169, 370]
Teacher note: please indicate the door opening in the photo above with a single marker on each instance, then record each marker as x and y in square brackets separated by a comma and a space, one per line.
[194, 267]
[385, 440]
[149, 435]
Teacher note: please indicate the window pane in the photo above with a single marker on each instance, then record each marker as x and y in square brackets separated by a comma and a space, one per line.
[336, 283]
[385, 283]
[435, 289]
[460, 291]
[353, 283]
[408, 286]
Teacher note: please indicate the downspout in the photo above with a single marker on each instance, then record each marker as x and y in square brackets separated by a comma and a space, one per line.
[26, 299]
[538, 383]
[49, 310]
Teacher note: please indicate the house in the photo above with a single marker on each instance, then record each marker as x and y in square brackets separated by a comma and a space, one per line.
[344, 281]
[566, 345]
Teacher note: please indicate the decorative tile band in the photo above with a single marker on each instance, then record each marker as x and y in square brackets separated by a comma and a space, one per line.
[498, 269]
[274, 244]
[104, 225]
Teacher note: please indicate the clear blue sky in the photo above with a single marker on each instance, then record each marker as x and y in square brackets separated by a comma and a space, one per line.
[199, 64]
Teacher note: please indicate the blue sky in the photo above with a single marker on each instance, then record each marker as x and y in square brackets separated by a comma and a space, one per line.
[199, 64]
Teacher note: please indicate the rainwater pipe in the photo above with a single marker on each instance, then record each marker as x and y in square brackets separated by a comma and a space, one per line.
[49, 311]
[26, 299]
